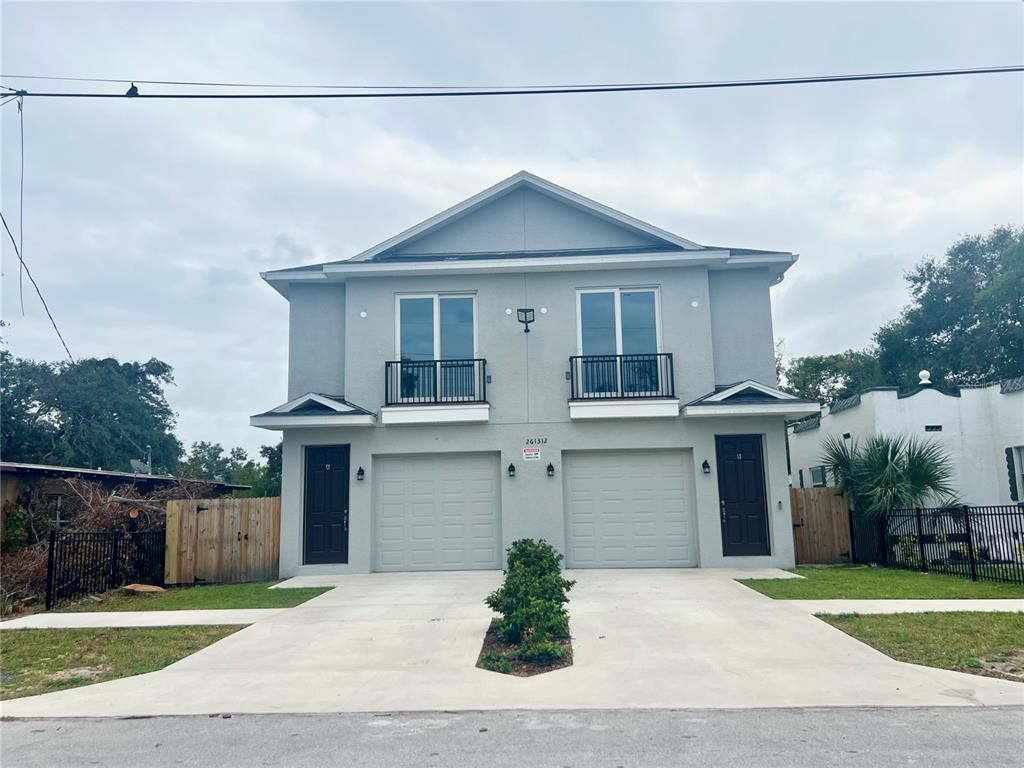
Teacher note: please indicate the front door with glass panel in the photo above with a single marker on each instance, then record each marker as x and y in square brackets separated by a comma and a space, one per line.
[618, 342]
[437, 349]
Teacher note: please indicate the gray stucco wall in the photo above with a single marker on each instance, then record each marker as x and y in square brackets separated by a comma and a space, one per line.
[529, 393]
[528, 370]
[531, 502]
[741, 325]
[316, 339]
[525, 219]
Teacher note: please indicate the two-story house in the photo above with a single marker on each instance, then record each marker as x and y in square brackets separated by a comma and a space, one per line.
[531, 363]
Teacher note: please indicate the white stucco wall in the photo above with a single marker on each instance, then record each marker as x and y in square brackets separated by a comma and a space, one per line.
[977, 428]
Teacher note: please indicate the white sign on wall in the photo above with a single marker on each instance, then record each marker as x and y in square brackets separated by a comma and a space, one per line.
[531, 454]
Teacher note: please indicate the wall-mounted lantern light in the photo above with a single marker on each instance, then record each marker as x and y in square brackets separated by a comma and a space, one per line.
[705, 467]
[551, 470]
[525, 316]
[511, 470]
[360, 473]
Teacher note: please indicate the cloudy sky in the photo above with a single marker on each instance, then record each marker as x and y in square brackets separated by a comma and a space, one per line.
[147, 222]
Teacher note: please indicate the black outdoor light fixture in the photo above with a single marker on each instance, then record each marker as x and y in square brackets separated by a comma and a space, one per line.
[551, 470]
[525, 316]
[511, 470]
[360, 473]
[705, 467]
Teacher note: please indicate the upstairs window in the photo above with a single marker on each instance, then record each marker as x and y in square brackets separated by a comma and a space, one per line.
[817, 476]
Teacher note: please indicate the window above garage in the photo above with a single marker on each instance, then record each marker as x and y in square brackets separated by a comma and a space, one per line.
[619, 370]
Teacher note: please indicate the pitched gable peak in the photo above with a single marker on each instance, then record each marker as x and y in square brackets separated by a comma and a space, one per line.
[525, 214]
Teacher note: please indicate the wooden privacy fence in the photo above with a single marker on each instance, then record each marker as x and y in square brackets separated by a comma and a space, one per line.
[225, 540]
[821, 525]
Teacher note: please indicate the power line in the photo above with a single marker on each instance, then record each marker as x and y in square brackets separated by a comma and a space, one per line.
[440, 91]
[209, 84]
[36, 286]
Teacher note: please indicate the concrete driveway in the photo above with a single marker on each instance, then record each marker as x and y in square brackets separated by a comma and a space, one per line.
[650, 638]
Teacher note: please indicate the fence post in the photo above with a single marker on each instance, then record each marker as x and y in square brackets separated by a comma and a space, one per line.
[49, 570]
[115, 564]
[853, 535]
[920, 539]
[970, 542]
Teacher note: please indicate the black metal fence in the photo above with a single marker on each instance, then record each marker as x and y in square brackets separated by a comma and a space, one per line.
[978, 543]
[608, 377]
[435, 382]
[86, 563]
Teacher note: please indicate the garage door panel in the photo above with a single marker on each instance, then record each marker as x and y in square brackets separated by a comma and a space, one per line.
[437, 513]
[628, 509]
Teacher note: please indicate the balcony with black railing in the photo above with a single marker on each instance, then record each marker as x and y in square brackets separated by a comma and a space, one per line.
[622, 387]
[621, 377]
[435, 382]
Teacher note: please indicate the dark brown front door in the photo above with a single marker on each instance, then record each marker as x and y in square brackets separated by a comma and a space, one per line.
[326, 513]
[741, 493]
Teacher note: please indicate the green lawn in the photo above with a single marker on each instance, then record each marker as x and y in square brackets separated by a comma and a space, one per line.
[987, 643]
[201, 596]
[44, 660]
[866, 583]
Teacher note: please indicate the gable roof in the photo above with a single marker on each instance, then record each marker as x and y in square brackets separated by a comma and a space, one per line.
[555, 229]
[750, 398]
[314, 410]
[661, 238]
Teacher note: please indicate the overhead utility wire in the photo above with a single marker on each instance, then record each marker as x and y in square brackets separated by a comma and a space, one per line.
[209, 84]
[540, 90]
[35, 285]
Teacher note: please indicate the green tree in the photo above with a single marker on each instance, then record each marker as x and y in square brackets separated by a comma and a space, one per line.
[889, 472]
[209, 461]
[89, 413]
[827, 378]
[964, 322]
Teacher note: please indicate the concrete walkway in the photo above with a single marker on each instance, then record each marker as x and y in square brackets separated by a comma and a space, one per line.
[901, 606]
[226, 616]
[642, 639]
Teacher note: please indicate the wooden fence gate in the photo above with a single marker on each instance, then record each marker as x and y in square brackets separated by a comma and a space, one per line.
[821, 526]
[225, 540]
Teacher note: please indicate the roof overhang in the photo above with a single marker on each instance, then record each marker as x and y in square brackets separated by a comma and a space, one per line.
[750, 398]
[314, 410]
[339, 272]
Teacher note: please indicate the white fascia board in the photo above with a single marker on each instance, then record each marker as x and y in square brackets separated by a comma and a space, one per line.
[581, 410]
[525, 264]
[469, 413]
[788, 410]
[298, 422]
[764, 389]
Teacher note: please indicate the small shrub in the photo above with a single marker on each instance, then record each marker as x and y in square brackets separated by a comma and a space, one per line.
[533, 596]
[540, 651]
[495, 662]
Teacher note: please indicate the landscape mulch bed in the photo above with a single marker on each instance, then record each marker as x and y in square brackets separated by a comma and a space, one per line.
[494, 644]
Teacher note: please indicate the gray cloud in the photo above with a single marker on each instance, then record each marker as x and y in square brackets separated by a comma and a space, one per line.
[147, 222]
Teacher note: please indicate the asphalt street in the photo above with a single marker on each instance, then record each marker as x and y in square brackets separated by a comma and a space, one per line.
[987, 737]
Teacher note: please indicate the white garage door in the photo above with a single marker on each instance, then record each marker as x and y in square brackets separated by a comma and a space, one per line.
[437, 513]
[629, 509]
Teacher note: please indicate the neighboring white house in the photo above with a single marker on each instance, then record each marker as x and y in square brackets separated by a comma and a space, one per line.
[981, 427]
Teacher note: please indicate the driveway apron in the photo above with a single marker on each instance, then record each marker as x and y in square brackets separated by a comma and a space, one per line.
[641, 638]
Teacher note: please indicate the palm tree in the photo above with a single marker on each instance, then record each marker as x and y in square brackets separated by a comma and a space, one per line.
[890, 472]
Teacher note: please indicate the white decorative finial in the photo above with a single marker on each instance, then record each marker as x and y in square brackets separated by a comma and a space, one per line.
[925, 378]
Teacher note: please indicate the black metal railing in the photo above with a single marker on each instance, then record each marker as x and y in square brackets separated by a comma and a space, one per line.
[83, 564]
[435, 382]
[977, 543]
[609, 377]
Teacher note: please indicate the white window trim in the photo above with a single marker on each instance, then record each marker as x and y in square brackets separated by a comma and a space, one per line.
[436, 297]
[617, 292]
